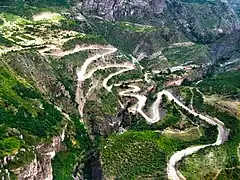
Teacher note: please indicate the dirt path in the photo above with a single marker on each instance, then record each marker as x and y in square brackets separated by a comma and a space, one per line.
[81, 72]
[80, 98]
[105, 81]
[191, 102]
[133, 91]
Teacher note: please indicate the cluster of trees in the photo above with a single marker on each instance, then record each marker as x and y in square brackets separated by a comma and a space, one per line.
[4, 41]
[132, 155]
[225, 84]
[17, 107]
[131, 75]
[187, 95]
[43, 125]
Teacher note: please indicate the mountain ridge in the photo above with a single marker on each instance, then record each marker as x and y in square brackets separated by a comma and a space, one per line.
[80, 80]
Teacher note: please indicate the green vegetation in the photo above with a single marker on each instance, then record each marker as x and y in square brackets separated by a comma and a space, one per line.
[138, 154]
[29, 119]
[127, 36]
[132, 154]
[130, 75]
[63, 165]
[83, 39]
[4, 41]
[178, 55]
[225, 84]
[52, 3]
[135, 27]
[187, 95]
[224, 156]
[12, 144]
[24, 113]
[100, 111]
[29, 8]
[204, 164]
[64, 69]
[108, 102]
[231, 173]
[198, 99]
[22, 158]
[9, 146]
[21, 106]
[77, 144]
[170, 119]
[234, 125]
[29, 30]
[126, 156]
[173, 119]
[118, 36]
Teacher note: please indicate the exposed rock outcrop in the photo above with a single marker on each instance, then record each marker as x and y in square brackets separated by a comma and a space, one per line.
[118, 9]
[41, 166]
[199, 21]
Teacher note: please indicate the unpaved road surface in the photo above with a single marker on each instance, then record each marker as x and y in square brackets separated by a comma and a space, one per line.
[134, 91]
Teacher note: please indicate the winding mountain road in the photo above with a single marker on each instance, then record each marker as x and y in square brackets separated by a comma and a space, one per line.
[105, 81]
[134, 91]
[173, 173]
[80, 98]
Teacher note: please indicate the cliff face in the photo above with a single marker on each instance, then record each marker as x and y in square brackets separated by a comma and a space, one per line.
[40, 167]
[119, 9]
[33, 83]
[198, 20]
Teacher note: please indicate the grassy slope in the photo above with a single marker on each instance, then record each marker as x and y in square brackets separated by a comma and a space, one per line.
[208, 162]
[136, 152]
[141, 153]
[177, 55]
[223, 84]
[27, 119]
[133, 154]
[21, 102]
[23, 107]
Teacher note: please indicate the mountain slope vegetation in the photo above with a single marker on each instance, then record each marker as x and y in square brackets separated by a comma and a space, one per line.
[119, 89]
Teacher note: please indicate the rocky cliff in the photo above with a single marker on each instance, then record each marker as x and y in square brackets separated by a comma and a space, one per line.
[199, 20]
[41, 166]
[39, 61]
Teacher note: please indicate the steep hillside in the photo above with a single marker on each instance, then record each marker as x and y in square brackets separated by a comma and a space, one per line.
[39, 116]
[201, 21]
[103, 89]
